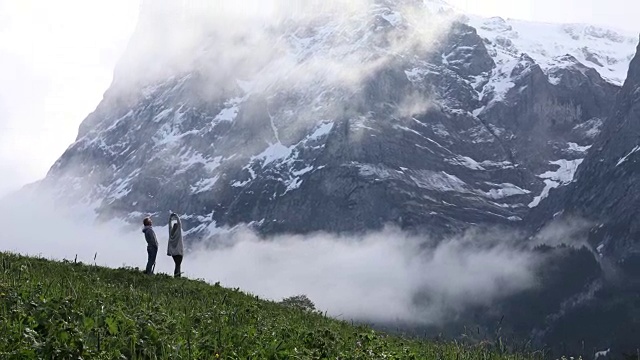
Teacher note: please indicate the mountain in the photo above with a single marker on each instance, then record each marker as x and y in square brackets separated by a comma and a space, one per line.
[604, 194]
[604, 189]
[333, 122]
[607, 51]
[347, 118]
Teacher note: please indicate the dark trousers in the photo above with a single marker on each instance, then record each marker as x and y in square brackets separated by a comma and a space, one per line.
[151, 260]
[178, 260]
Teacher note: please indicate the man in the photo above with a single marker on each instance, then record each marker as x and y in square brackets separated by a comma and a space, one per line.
[152, 245]
[175, 248]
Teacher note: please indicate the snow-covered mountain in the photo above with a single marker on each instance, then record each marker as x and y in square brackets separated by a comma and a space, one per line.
[340, 97]
[344, 120]
[607, 51]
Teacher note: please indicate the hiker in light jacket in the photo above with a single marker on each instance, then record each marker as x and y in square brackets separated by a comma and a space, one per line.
[175, 248]
[152, 245]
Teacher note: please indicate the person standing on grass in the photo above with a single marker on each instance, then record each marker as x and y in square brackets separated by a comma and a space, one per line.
[152, 245]
[175, 248]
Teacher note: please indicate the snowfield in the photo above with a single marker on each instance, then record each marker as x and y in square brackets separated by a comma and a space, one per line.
[607, 51]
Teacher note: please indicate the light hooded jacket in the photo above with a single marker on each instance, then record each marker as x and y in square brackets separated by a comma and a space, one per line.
[175, 246]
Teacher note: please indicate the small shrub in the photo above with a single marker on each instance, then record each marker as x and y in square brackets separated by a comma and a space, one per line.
[301, 302]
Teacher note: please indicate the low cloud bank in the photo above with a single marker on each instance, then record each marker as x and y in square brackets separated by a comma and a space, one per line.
[384, 276]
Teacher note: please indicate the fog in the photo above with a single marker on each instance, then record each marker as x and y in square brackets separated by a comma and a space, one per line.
[266, 42]
[56, 61]
[384, 276]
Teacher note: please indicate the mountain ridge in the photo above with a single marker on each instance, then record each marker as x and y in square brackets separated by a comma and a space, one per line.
[499, 81]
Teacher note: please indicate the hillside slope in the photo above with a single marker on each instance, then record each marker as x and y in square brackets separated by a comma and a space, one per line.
[70, 311]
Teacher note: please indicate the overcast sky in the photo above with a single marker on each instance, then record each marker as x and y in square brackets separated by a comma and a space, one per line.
[57, 58]
[622, 14]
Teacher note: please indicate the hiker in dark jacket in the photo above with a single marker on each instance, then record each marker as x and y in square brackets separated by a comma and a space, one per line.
[152, 245]
[175, 248]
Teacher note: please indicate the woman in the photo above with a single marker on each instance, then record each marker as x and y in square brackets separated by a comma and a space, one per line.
[175, 247]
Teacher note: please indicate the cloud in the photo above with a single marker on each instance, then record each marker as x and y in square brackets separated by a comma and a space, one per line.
[569, 231]
[385, 276]
[55, 65]
[277, 42]
[301, 64]
[315, 61]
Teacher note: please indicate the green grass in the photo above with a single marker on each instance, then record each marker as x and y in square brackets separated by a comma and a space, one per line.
[63, 310]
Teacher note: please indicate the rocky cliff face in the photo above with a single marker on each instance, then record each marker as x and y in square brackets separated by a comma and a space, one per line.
[347, 123]
[603, 195]
[605, 189]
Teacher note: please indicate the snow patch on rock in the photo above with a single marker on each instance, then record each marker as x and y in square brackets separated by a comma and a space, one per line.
[554, 179]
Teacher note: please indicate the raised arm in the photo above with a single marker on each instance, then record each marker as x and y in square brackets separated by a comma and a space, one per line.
[174, 215]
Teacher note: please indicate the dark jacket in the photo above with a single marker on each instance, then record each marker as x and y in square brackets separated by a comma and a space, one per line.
[150, 236]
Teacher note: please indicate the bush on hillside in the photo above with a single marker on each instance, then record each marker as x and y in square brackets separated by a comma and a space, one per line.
[301, 302]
